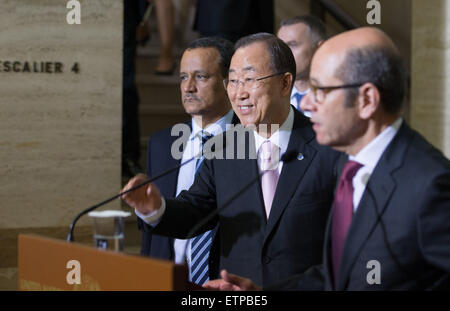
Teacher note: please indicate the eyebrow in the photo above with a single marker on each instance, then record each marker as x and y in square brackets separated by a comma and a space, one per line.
[248, 68]
[195, 71]
[317, 83]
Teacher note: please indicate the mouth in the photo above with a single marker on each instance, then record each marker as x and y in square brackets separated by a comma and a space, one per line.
[190, 99]
[246, 109]
[316, 125]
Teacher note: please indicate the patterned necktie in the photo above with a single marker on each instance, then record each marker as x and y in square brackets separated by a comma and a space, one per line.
[201, 244]
[342, 214]
[298, 97]
[268, 157]
[205, 136]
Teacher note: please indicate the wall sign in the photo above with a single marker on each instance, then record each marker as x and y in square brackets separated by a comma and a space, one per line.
[49, 67]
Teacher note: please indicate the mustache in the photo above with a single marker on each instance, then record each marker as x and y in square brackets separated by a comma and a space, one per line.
[191, 97]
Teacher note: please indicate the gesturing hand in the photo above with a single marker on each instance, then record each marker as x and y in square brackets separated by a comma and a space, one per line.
[231, 281]
[145, 199]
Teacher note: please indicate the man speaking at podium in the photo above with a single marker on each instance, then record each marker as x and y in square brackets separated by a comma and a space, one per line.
[389, 228]
[275, 227]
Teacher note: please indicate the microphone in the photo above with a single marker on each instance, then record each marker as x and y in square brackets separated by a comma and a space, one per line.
[287, 157]
[72, 226]
[70, 237]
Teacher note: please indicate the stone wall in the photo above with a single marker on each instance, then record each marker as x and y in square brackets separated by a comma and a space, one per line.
[60, 117]
[430, 97]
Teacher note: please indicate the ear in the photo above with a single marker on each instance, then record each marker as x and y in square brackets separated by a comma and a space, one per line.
[287, 81]
[369, 100]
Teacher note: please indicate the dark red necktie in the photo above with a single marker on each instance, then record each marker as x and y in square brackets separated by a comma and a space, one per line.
[342, 213]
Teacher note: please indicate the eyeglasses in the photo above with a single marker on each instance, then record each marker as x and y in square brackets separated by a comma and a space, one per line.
[319, 92]
[248, 82]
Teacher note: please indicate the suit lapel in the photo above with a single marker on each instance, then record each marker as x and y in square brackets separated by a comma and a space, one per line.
[249, 167]
[327, 256]
[373, 203]
[293, 171]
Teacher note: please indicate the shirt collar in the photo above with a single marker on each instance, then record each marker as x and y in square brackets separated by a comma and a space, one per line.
[295, 91]
[280, 137]
[215, 128]
[372, 152]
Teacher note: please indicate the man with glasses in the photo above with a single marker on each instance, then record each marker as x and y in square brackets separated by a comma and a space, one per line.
[271, 214]
[389, 228]
[203, 67]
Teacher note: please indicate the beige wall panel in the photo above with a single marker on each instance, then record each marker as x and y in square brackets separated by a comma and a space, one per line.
[60, 139]
[430, 98]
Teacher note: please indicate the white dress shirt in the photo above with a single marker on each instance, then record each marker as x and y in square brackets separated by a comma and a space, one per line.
[280, 138]
[186, 178]
[369, 157]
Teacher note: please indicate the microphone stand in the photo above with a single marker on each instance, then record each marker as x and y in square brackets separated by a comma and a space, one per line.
[70, 236]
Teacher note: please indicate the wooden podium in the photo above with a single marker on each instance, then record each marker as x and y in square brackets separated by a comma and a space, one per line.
[50, 264]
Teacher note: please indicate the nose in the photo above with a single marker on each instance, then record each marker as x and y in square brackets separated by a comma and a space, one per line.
[307, 103]
[241, 91]
[189, 85]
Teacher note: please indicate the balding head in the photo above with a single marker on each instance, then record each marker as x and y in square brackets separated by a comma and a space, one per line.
[359, 38]
[367, 55]
[358, 84]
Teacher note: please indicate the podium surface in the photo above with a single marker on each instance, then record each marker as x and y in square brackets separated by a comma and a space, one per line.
[50, 264]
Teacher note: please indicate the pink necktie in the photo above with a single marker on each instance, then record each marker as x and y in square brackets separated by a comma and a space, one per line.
[342, 213]
[268, 158]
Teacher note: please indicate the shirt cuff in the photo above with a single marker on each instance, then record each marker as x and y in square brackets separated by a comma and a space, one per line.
[153, 218]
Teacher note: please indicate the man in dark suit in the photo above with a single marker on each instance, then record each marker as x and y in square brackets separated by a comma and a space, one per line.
[233, 19]
[303, 34]
[267, 232]
[204, 66]
[390, 224]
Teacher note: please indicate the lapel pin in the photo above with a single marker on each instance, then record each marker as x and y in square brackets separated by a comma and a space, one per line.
[300, 157]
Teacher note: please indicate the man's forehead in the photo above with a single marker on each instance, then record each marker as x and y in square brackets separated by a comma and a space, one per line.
[324, 64]
[247, 69]
[296, 28]
[207, 57]
[202, 52]
[253, 57]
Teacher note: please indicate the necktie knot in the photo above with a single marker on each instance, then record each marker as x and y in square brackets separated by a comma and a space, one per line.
[350, 170]
[298, 98]
[269, 156]
[205, 136]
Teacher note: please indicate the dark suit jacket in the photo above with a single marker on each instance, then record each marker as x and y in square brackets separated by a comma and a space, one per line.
[410, 188]
[291, 240]
[239, 17]
[159, 159]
